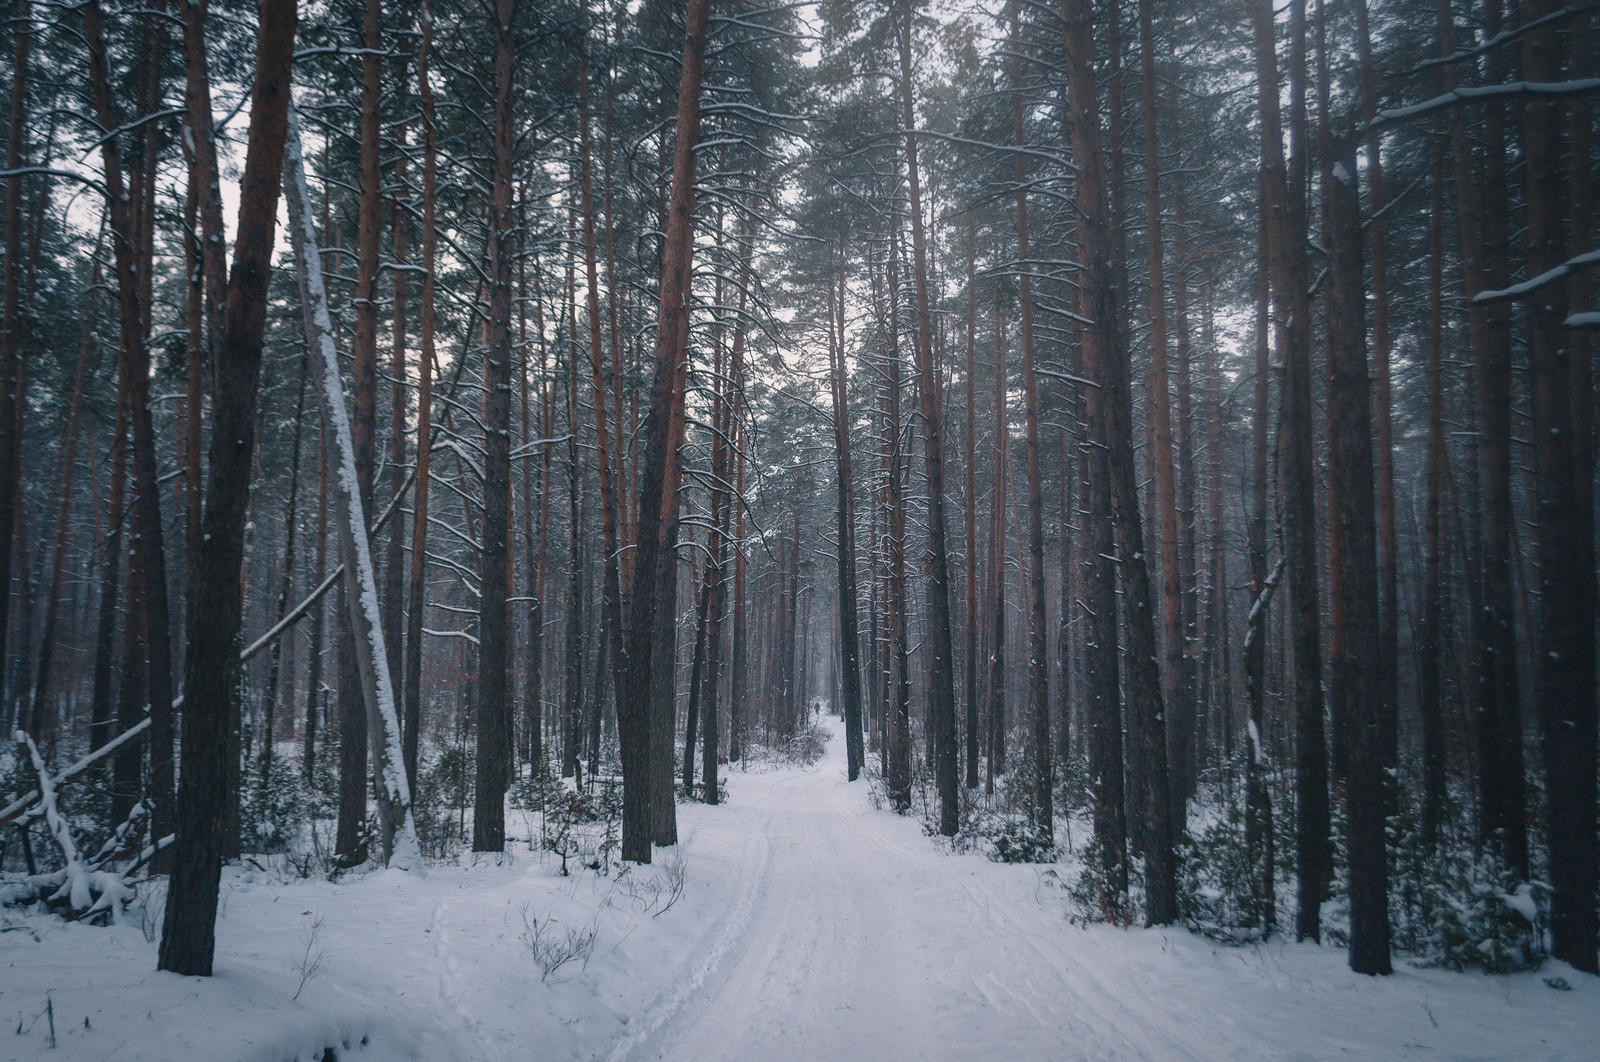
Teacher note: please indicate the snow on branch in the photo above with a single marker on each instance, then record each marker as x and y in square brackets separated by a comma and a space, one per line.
[1545, 279]
[1478, 93]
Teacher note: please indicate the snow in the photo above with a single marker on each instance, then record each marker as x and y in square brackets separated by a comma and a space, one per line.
[812, 926]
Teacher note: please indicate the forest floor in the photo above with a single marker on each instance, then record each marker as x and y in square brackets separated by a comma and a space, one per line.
[810, 926]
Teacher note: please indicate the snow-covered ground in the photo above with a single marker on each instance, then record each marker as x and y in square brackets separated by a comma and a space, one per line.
[811, 927]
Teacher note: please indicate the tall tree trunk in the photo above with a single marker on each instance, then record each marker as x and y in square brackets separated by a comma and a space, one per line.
[1286, 212]
[308, 753]
[269, 698]
[11, 367]
[604, 461]
[1388, 543]
[997, 561]
[188, 934]
[849, 633]
[1194, 675]
[1105, 361]
[972, 512]
[39, 718]
[654, 560]
[495, 740]
[1431, 621]
[1098, 339]
[135, 356]
[1502, 814]
[941, 666]
[1563, 533]
[535, 542]
[738, 712]
[897, 749]
[1038, 651]
[411, 701]
[394, 564]
[570, 756]
[1259, 838]
[1353, 652]
[1178, 688]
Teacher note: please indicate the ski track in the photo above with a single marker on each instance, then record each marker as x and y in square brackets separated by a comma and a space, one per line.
[865, 939]
[855, 935]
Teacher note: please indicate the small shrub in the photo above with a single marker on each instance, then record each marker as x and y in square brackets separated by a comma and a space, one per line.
[1020, 840]
[553, 947]
[1218, 881]
[1093, 895]
[273, 812]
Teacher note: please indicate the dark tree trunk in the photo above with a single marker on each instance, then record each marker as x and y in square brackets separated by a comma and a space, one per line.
[411, 684]
[604, 459]
[494, 571]
[11, 367]
[136, 364]
[1291, 302]
[971, 573]
[654, 559]
[897, 748]
[849, 632]
[1502, 816]
[1098, 341]
[1258, 801]
[189, 931]
[308, 754]
[1043, 762]
[269, 698]
[1563, 533]
[997, 562]
[1178, 688]
[1430, 622]
[1353, 649]
[39, 717]
[941, 672]
[1388, 545]
[1105, 361]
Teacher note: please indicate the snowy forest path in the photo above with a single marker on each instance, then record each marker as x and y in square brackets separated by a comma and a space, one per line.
[863, 939]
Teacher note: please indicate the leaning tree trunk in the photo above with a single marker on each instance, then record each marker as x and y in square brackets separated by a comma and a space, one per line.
[397, 831]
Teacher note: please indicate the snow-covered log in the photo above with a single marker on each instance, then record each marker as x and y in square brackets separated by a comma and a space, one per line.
[372, 659]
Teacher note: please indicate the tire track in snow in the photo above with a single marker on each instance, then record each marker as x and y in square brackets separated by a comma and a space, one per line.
[673, 1000]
